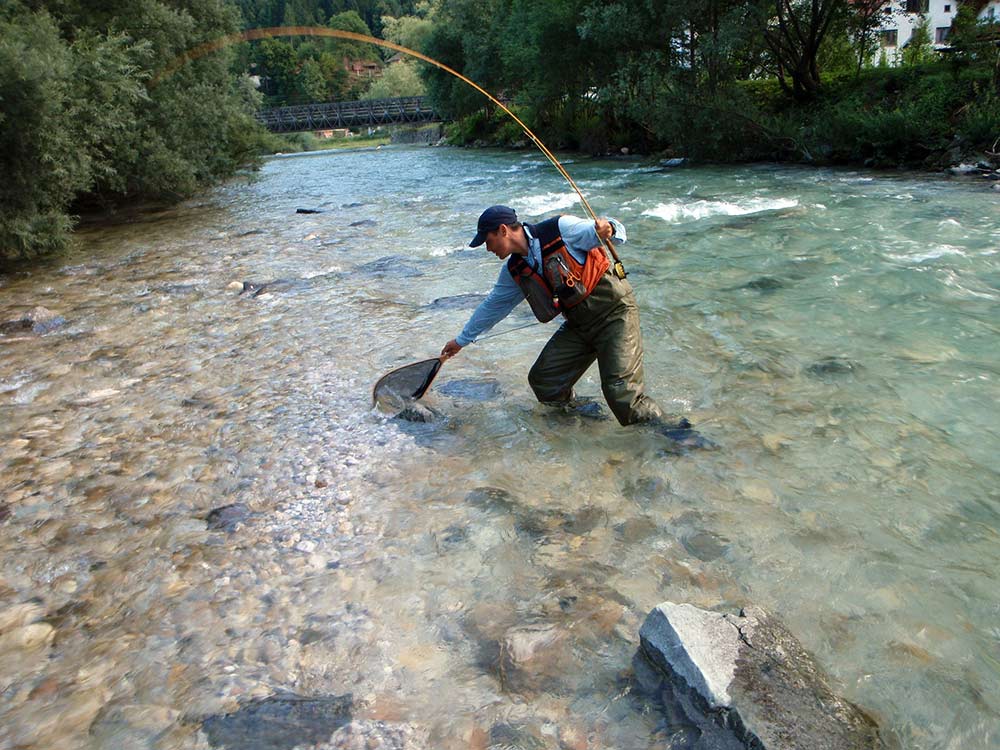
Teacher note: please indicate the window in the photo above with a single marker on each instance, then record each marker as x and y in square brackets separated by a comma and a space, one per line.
[947, 9]
[887, 37]
[917, 6]
[941, 34]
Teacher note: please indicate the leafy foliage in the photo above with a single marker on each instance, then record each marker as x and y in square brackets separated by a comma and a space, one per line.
[399, 79]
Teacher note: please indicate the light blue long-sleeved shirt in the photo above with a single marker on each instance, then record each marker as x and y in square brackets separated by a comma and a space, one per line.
[579, 236]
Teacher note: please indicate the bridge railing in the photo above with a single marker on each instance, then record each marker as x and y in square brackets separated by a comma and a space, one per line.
[330, 115]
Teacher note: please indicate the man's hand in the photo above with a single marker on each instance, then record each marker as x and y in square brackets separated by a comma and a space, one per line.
[604, 228]
[450, 349]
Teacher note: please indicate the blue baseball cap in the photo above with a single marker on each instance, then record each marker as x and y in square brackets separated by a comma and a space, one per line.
[490, 219]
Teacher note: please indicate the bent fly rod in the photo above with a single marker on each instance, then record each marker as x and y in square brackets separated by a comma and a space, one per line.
[276, 31]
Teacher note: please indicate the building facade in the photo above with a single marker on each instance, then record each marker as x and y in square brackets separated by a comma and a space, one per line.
[907, 14]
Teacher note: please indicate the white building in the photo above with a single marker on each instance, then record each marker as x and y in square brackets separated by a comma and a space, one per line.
[907, 15]
[990, 12]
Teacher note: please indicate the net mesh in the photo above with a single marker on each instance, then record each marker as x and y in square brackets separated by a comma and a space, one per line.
[396, 389]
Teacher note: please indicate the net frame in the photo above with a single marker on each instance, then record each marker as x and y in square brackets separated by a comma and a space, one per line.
[411, 392]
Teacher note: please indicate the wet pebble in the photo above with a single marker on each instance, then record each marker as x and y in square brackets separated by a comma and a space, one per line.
[227, 517]
[492, 499]
[377, 735]
[280, 722]
[705, 545]
[833, 366]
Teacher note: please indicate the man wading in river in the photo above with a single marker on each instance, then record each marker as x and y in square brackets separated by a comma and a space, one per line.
[559, 265]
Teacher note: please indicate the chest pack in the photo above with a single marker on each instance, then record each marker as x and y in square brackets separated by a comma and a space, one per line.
[563, 282]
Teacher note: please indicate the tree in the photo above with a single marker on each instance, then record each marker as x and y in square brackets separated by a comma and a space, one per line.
[84, 124]
[348, 49]
[920, 48]
[399, 79]
[408, 31]
[466, 37]
[864, 21]
[278, 65]
[794, 31]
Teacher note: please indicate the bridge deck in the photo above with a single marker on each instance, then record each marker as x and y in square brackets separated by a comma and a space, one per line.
[327, 116]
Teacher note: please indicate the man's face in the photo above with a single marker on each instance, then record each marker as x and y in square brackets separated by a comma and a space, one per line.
[500, 242]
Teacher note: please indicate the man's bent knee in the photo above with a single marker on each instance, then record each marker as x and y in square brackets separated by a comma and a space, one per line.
[548, 391]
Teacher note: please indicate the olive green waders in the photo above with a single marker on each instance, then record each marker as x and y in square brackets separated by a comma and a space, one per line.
[605, 327]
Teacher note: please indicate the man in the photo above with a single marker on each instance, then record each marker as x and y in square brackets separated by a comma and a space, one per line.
[560, 266]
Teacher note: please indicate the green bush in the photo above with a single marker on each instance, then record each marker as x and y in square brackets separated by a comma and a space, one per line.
[82, 123]
[979, 122]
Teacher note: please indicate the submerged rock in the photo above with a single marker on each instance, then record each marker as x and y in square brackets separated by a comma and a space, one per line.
[680, 440]
[227, 517]
[750, 674]
[833, 366]
[457, 302]
[258, 288]
[308, 210]
[395, 266]
[764, 284]
[471, 389]
[279, 722]
[37, 320]
[705, 545]
[492, 499]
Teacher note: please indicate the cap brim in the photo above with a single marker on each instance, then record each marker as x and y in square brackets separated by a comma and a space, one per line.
[479, 239]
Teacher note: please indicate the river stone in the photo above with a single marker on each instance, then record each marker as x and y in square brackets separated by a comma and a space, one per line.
[765, 284]
[751, 674]
[457, 302]
[833, 366]
[492, 499]
[37, 320]
[705, 545]
[393, 266]
[279, 722]
[260, 288]
[471, 389]
[505, 736]
[227, 517]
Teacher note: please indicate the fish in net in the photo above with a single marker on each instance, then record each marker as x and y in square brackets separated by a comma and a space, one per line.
[397, 391]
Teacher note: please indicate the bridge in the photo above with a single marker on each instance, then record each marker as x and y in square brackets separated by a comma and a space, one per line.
[365, 113]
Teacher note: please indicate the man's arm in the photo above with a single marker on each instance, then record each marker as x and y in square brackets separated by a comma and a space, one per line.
[582, 234]
[498, 304]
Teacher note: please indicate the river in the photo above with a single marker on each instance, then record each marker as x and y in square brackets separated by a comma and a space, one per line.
[480, 581]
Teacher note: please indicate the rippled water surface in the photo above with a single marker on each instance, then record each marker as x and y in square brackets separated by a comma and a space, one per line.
[480, 581]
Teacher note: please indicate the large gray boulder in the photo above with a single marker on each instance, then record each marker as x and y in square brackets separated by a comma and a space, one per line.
[752, 675]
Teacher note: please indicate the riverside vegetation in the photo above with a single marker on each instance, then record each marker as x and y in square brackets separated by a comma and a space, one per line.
[82, 126]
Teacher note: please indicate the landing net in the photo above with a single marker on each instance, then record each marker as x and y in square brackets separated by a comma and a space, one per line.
[396, 389]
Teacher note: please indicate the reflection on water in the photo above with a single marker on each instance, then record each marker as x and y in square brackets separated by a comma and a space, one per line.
[200, 508]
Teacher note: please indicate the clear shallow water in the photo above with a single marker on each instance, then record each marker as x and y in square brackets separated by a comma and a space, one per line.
[482, 580]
